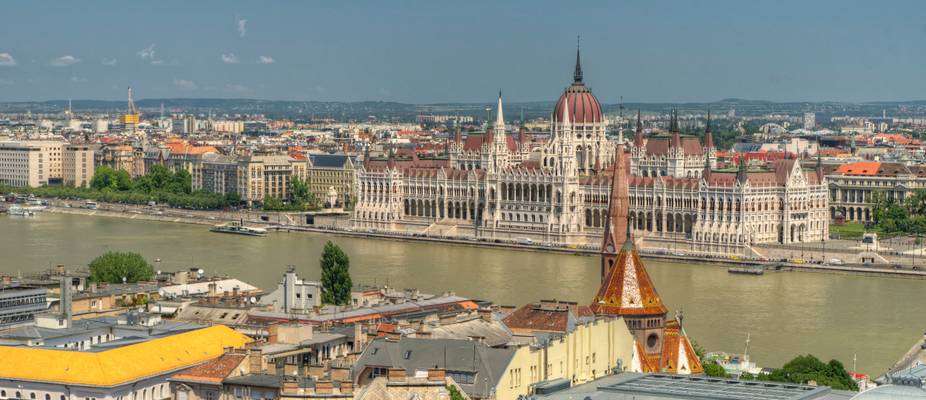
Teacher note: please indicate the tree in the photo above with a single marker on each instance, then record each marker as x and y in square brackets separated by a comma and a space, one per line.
[104, 178]
[455, 393]
[113, 266]
[803, 369]
[336, 283]
[715, 370]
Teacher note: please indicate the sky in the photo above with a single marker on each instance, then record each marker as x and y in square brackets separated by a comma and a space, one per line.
[464, 51]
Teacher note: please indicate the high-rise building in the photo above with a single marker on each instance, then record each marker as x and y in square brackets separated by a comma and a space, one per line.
[810, 120]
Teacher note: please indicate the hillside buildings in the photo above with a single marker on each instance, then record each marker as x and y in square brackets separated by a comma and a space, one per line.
[37, 163]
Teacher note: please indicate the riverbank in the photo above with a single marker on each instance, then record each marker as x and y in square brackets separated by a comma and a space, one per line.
[213, 217]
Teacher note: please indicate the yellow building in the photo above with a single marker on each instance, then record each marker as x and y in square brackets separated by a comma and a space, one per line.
[594, 348]
[132, 372]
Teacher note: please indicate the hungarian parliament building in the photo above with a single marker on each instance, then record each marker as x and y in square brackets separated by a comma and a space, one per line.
[505, 185]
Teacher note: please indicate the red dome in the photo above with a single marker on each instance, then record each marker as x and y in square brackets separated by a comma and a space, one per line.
[583, 105]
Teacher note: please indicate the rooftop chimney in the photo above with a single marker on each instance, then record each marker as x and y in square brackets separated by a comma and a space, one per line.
[65, 301]
[436, 375]
[396, 375]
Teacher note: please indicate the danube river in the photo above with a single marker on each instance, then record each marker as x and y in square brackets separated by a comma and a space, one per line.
[786, 313]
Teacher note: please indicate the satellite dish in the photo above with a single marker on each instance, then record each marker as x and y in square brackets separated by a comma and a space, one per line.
[200, 271]
[253, 300]
[159, 272]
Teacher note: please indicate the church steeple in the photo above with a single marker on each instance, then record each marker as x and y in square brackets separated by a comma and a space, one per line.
[577, 75]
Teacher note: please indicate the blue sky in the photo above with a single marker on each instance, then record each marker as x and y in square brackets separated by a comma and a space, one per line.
[462, 51]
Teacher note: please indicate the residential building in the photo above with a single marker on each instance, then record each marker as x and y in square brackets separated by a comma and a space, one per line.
[331, 171]
[219, 173]
[264, 176]
[133, 370]
[77, 165]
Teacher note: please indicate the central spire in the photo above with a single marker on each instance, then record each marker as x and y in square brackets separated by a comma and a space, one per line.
[577, 76]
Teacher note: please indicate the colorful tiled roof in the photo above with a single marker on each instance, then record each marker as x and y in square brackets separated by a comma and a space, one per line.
[865, 168]
[212, 371]
[627, 289]
[120, 365]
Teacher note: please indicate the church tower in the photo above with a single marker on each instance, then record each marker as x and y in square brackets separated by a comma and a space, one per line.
[710, 152]
[499, 139]
[616, 230]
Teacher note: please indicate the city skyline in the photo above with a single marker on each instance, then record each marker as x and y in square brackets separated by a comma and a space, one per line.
[422, 53]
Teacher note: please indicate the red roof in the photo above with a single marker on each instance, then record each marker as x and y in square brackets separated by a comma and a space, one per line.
[583, 105]
[865, 168]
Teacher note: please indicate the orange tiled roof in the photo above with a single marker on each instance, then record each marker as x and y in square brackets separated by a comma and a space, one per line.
[627, 289]
[867, 168]
[186, 148]
[535, 318]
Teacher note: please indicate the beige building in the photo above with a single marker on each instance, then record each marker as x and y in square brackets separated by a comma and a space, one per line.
[263, 176]
[327, 171]
[32, 163]
[77, 165]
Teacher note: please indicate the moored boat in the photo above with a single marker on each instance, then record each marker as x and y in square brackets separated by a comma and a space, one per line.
[239, 229]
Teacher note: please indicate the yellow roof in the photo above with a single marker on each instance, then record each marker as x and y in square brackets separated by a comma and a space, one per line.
[119, 365]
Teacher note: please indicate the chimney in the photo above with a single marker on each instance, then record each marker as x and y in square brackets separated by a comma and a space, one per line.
[316, 371]
[256, 361]
[396, 375]
[272, 333]
[448, 319]
[290, 384]
[212, 288]
[340, 374]
[7, 280]
[423, 334]
[436, 375]
[359, 337]
[347, 387]
[324, 387]
[394, 336]
[235, 291]
[485, 314]
[64, 304]
[226, 294]
[59, 269]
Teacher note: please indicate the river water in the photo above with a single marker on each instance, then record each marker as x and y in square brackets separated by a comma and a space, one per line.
[786, 313]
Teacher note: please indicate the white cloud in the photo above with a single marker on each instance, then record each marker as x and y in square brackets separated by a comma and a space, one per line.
[78, 79]
[232, 87]
[64, 61]
[242, 27]
[109, 61]
[185, 84]
[7, 60]
[266, 60]
[230, 58]
[150, 55]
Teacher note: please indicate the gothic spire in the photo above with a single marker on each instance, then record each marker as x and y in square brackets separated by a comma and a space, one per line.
[499, 116]
[708, 134]
[676, 139]
[638, 135]
[577, 76]
[741, 173]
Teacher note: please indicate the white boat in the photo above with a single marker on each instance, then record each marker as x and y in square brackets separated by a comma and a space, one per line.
[239, 229]
[20, 211]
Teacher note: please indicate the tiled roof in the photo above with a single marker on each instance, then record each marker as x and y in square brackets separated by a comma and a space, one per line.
[534, 318]
[659, 145]
[627, 289]
[211, 371]
[120, 365]
[868, 168]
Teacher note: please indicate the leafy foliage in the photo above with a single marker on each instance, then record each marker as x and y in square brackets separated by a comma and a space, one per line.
[113, 266]
[336, 282]
[301, 199]
[159, 185]
[715, 370]
[455, 393]
[806, 368]
[901, 217]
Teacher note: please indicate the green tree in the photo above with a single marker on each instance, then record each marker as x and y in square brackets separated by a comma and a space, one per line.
[806, 368]
[336, 283]
[715, 370]
[113, 266]
[104, 178]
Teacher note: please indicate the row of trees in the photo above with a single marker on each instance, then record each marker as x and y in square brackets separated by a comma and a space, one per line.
[159, 185]
[907, 216]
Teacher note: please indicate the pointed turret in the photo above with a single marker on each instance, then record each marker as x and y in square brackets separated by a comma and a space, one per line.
[638, 134]
[458, 135]
[676, 138]
[708, 134]
[707, 168]
[819, 169]
[577, 75]
[499, 116]
[522, 130]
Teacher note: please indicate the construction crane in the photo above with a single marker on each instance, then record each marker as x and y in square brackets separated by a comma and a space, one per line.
[132, 117]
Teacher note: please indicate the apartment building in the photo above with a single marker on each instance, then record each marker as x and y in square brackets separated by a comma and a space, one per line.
[31, 163]
[264, 176]
[77, 165]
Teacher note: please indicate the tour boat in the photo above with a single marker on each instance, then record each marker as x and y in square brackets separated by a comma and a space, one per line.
[239, 229]
[20, 211]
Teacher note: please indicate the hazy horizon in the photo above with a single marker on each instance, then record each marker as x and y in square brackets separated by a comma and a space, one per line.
[419, 52]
